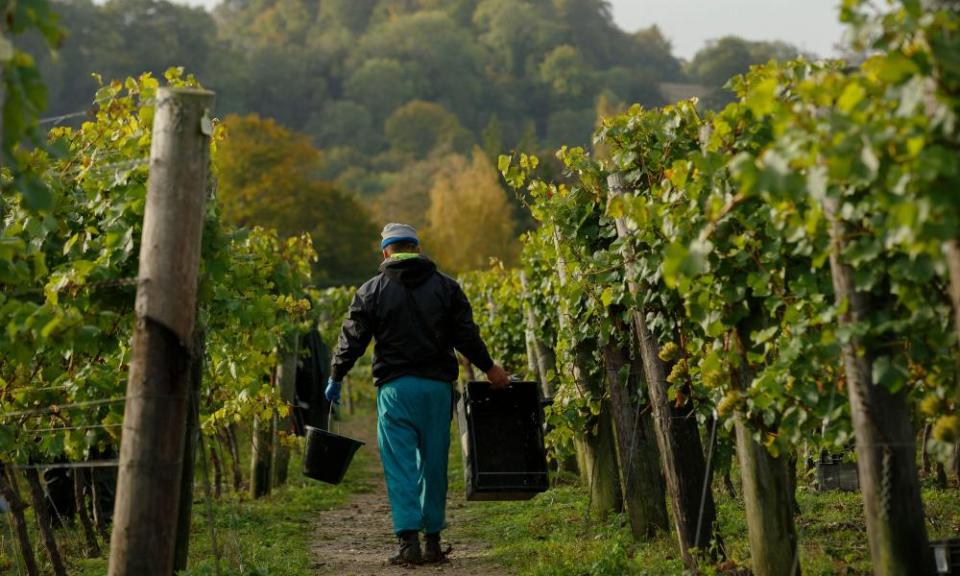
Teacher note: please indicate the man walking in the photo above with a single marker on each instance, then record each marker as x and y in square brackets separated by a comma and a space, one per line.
[417, 316]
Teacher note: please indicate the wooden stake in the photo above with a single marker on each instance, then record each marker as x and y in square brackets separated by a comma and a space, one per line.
[767, 490]
[260, 457]
[44, 522]
[546, 360]
[678, 436]
[190, 437]
[286, 385]
[79, 494]
[596, 453]
[638, 462]
[886, 449]
[151, 450]
[230, 433]
[11, 493]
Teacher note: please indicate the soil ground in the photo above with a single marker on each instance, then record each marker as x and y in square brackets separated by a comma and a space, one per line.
[357, 539]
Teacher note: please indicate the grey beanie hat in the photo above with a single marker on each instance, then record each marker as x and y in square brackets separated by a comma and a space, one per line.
[393, 233]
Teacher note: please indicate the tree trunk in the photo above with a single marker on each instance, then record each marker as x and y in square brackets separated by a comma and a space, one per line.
[530, 344]
[767, 491]
[605, 494]
[792, 476]
[545, 361]
[678, 436]
[578, 368]
[596, 455]
[886, 449]
[43, 522]
[79, 494]
[955, 462]
[728, 485]
[99, 513]
[951, 250]
[11, 493]
[941, 476]
[286, 384]
[217, 472]
[530, 339]
[181, 548]
[769, 507]
[260, 458]
[638, 463]
[231, 434]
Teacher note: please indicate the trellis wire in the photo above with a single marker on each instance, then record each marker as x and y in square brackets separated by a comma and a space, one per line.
[69, 428]
[56, 408]
[89, 111]
[67, 465]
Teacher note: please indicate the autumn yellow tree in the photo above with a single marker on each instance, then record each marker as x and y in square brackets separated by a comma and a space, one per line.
[470, 219]
[267, 176]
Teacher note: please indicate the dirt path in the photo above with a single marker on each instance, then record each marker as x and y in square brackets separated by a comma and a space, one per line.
[356, 540]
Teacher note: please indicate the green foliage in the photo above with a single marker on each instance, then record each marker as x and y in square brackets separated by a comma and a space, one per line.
[350, 75]
[269, 176]
[727, 219]
[497, 301]
[69, 274]
[270, 536]
[418, 128]
[24, 97]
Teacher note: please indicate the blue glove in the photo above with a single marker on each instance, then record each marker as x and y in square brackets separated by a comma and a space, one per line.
[333, 391]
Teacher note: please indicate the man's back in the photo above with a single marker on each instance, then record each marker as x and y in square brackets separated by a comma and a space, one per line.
[417, 316]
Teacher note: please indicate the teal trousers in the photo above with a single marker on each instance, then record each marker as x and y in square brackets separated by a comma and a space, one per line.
[413, 433]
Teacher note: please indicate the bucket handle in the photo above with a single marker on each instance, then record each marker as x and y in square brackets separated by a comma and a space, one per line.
[330, 420]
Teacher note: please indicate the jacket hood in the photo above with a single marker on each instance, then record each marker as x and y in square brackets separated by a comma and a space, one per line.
[410, 272]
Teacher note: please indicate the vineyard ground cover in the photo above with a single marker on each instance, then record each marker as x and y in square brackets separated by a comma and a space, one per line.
[271, 535]
[547, 536]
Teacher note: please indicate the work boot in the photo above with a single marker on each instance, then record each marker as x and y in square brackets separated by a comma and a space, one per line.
[432, 553]
[409, 548]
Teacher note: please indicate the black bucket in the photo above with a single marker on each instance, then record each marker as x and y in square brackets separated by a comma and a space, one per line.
[327, 455]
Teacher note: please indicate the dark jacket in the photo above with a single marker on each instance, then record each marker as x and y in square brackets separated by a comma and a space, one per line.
[311, 407]
[407, 343]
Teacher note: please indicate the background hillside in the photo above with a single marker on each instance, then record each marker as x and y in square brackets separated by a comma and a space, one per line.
[396, 97]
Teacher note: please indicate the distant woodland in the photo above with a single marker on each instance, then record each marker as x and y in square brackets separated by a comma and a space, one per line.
[386, 110]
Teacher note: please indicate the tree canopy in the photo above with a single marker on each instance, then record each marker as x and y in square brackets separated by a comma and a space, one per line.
[384, 90]
[268, 176]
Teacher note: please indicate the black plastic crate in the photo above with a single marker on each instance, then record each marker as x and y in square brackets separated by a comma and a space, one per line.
[946, 555]
[501, 436]
[835, 474]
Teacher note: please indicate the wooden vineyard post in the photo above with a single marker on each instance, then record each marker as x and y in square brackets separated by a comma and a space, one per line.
[638, 462]
[678, 436]
[596, 454]
[155, 416]
[767, 492]
[546, 360]
[286, 384]
[886, 448]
